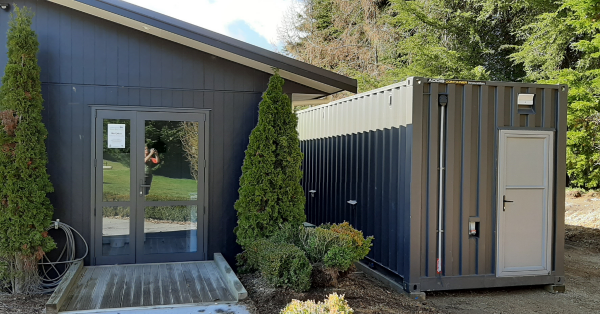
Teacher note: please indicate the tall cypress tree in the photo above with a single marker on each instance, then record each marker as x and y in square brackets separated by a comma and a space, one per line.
[25, 210]
[270, 190]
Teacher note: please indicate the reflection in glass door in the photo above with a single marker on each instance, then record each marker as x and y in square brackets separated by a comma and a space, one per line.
[115, 157]
[169, 185]
[149, 186]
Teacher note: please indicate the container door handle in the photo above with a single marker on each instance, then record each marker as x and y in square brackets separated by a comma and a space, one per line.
[504, 201]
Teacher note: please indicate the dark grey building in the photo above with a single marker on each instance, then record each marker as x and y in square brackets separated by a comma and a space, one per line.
[493, 216]
[148, 120]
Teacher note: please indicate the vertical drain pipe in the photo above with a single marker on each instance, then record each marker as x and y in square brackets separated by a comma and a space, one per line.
[442, 101]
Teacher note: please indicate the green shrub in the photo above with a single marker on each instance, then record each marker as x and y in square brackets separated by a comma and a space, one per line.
[287, 233]
[177, 213]
[360, 246]
[281, 264]
[25, 210]
[270, 190]
[339, 257]
[334, 304]
[337, 246]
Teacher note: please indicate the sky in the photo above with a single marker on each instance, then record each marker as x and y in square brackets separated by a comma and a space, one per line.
[252, 21]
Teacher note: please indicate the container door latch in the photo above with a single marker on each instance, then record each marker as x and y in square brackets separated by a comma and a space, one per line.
[504, 201]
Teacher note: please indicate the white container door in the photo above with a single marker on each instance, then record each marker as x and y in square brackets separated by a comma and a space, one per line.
[525, 163]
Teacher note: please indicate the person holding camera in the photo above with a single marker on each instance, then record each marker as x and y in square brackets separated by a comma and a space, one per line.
[151, 159]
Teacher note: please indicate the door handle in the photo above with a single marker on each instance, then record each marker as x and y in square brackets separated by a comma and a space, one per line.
[142, 186]
[504, 201]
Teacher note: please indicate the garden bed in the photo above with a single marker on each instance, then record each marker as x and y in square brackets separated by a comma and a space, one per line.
[23, 304]
[363, 294]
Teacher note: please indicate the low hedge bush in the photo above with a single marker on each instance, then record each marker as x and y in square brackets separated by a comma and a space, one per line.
[281, 264]
[179, 213]
[338, 246]
[334, 304]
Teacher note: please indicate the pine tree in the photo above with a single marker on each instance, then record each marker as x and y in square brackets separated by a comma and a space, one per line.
[270, 190]
[25, 210]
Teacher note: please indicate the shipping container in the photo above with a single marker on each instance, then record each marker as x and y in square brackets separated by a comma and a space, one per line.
[460, 182]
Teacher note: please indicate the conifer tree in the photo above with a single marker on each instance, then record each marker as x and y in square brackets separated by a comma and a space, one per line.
[25, 210]
[270, 190]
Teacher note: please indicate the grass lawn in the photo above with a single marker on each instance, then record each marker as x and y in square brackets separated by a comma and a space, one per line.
[116, 182]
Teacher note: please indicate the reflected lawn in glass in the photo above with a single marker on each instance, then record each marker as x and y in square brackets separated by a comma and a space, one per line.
[169, 189]
[116, 185]
[115, 182]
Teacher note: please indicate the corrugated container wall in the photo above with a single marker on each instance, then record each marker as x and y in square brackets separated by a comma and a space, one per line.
[380, 149]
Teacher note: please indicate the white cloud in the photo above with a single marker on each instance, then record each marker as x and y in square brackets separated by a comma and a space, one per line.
[262, 16]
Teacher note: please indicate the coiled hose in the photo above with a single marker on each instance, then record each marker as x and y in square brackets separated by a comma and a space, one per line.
[50, 274]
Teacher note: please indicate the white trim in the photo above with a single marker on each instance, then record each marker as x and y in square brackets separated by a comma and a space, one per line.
[549, 148]
[193, 44]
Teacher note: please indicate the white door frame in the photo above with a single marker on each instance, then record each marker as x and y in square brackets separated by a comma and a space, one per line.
[501, 188]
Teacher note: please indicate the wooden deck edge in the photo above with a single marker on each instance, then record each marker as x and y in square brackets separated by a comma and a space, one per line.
[231, 280]
[62, 291]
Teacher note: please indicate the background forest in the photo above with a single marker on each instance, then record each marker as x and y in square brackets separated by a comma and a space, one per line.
[380, 42]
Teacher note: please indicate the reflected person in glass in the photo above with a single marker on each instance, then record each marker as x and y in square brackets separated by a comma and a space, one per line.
[151, 159]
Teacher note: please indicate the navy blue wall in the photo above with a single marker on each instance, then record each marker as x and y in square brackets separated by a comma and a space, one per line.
[86, 60]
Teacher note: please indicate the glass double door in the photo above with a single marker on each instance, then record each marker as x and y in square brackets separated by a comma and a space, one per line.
[149, 186]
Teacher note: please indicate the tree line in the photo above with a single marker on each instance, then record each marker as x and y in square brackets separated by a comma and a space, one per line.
[380, 42]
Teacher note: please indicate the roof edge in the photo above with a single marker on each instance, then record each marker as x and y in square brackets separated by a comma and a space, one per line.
[167, 27]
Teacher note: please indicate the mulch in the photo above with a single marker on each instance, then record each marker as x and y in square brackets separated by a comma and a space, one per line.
[23, 304]
[363, 294]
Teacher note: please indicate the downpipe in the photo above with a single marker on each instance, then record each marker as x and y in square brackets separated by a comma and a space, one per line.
[442, 101]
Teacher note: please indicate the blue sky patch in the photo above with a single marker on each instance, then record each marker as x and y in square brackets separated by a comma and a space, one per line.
[241, 30]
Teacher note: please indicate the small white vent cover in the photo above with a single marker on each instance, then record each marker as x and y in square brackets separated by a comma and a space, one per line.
[525, 99]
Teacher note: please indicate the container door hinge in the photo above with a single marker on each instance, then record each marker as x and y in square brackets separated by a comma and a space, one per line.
[204, 210]
[95, 262]
[204, 163]
[95, 162]
[94, 211]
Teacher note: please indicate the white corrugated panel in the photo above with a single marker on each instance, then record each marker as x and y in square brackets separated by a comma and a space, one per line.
[363, 112]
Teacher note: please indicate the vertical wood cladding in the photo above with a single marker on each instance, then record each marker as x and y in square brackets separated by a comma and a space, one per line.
[86, 61]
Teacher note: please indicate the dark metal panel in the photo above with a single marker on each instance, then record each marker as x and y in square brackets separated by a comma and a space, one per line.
[77, 52]
[430, 215]
[65, 56]
[177, 68]
[485, 281]
[386, 201]
[133, 58]
[112, 51]
[451, 234]
[469, 177]
[560, 177]
[100, 56]
[123, 63]
[166, 64]
[395, 198]
[218, 76]
[209, 73]
[231, 166]
[146, 63]
[53, 51]
[485, 175]
[89, 52]
[40, 22]
[156, 59]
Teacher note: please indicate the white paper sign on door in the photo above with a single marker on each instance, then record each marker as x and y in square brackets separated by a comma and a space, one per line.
[116, 136]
